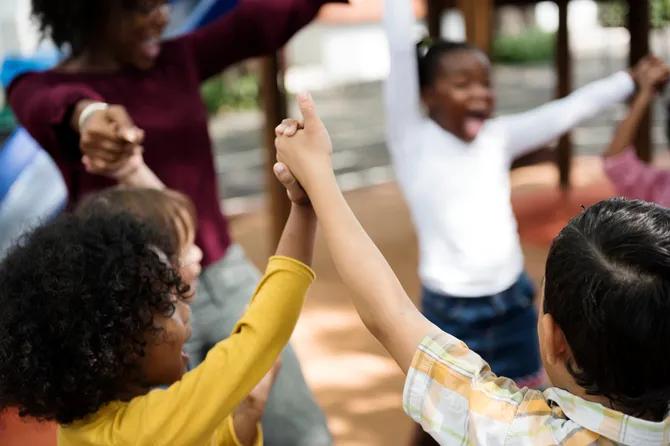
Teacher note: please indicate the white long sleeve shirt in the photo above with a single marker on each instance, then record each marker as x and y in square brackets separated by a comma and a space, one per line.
[459, 192]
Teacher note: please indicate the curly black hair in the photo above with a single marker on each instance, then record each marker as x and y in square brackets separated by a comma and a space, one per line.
[73, 22]
[78, 298]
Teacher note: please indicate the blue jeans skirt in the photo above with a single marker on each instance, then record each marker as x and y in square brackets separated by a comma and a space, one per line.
[501, 328]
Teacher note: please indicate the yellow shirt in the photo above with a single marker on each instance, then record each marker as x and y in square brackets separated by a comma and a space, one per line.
[196, 410]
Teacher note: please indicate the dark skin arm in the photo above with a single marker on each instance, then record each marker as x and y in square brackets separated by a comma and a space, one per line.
[107, 137]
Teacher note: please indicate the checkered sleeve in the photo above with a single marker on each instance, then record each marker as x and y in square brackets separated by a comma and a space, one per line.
[453, 394]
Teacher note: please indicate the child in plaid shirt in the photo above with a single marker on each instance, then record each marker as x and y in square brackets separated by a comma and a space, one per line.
[604, 332]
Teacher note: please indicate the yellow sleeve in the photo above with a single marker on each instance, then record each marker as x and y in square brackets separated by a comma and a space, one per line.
[189, 411]
[226, 436]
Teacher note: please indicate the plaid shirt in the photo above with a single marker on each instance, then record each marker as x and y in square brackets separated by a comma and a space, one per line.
[456, 398]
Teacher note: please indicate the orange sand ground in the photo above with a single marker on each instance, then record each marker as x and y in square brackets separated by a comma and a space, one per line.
[356, 383]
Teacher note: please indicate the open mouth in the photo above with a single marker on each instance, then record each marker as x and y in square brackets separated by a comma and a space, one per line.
[151, 48]
[474, 121]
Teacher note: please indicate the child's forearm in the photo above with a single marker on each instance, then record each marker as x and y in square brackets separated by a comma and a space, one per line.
[143, 177]
[297, 240]
[627, 130]
[380, 299]
[245, 423]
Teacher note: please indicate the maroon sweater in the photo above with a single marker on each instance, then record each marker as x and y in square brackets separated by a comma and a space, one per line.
[164, 101]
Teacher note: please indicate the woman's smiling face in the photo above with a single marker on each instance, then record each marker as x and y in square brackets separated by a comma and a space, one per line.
[133, 32]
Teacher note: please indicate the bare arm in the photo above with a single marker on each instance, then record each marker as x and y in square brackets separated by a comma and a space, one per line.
[627, 130]
[653, 74]
[297, 240]
[380, 299]
[247, 417]
[381, 302]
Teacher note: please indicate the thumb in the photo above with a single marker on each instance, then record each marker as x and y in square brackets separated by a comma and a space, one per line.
[308, 110]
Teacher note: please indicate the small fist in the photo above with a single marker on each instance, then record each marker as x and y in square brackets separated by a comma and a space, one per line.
[651, 73]
[294, 190]
[304, 147]
[108, 138]
[118, 170]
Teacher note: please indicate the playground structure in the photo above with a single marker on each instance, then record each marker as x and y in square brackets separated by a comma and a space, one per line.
[274, 98]
[478, 18]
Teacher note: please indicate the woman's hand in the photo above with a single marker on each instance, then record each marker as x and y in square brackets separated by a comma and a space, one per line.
[108, 136]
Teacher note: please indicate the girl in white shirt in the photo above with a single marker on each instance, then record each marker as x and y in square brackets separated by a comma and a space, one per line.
[452, 160]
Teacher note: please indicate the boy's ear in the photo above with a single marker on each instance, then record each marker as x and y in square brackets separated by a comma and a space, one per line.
[554, 344]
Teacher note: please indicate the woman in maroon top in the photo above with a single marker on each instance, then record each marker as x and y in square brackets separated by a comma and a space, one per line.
[123, 90]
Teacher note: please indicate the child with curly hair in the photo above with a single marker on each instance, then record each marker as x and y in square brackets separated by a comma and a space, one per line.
[95, 319]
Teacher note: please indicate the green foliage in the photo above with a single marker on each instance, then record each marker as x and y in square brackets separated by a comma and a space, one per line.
[7, 121]
[614, 12]
[239, 91]
[529, 47]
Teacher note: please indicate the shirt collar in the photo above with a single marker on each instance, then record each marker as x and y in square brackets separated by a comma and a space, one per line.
[610, 423]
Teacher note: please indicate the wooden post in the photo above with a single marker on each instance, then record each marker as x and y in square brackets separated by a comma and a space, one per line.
[638, 25]
[478, 18]
[274, 106]
[563, 88]
[435, 8]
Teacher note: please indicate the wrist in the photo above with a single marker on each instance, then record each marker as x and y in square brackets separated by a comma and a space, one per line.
[647, 91]
[85, 110]
[304, 211]
[315, 177]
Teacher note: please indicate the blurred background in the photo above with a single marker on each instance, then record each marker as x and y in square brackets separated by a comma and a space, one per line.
[342, 60]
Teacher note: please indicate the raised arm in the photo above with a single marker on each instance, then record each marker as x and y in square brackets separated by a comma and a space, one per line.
[653, 76]
[254, 28]
[46, 110]
[630, 176]
[380, 299]
[193, 408]
[401, 91]
[530, 130]
[65, 118]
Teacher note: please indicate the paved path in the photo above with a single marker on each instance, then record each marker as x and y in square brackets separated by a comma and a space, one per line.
[355, 117]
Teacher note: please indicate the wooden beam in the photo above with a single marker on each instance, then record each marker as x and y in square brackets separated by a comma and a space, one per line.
[435, 9]
[639, 26]
[563, 88]
[274, 107]
[478, 18]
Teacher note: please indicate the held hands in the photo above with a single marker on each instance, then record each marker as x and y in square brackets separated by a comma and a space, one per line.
[651, 74]
[110, 142]
[303, 147]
